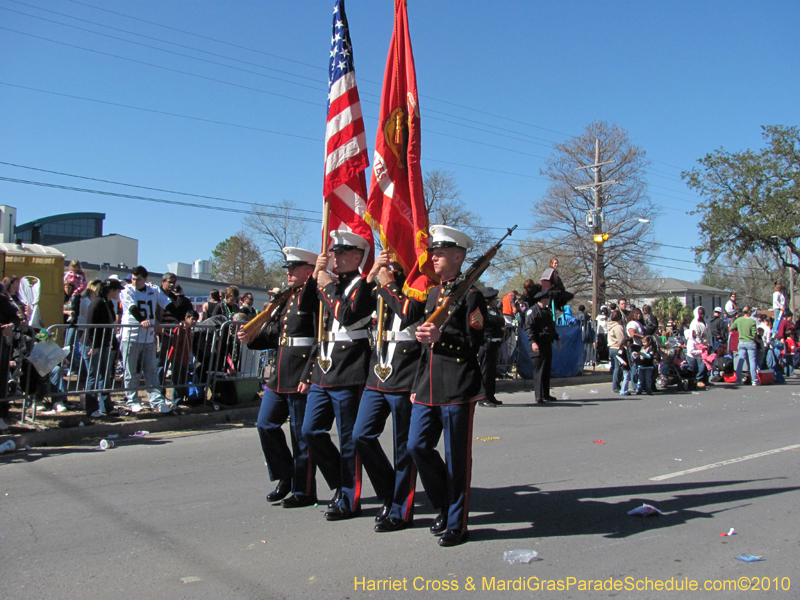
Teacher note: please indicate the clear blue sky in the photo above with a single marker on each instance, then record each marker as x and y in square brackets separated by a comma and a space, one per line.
[499, 82]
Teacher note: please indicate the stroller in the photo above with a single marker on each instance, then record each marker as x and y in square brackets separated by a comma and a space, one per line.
[672, 368]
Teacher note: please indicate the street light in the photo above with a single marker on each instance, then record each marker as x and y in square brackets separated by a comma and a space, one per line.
[599, 239]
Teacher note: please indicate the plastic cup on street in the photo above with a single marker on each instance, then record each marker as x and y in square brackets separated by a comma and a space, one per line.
[106, 444]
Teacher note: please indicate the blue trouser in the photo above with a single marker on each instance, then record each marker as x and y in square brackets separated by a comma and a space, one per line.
[646, 379]
[626, 379]
[446, 483]
[72, 339]
[392, 483]
[100, 374]
[339, 466]
[697, 366]
[616, 370]
[775, 363]
[749, 349]
[282, 464]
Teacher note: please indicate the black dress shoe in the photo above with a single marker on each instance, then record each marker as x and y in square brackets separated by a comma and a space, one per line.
[487, 404]
[281, 491]
[383, 512]
[551, 398]
[439, 524]
[340, 513]
[336, 497]
[295, 501]
[454, 537]
[392, 524]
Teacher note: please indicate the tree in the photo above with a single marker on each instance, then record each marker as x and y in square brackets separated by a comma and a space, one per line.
[237, 260]
[752, 277]
[445, 207]
[751, 200]
[560, 215]
[277, 228]
[670, 307]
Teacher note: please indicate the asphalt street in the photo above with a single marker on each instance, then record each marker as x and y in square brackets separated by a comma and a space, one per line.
[183, 515]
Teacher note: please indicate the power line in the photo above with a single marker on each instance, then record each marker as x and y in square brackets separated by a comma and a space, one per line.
[142, 187]
[294, 61]
[149, 199]
[469, 108]
[171, 70]
[162, 112]
[200, 36]
[163, 41]
[274, 93]
[318, 88]
[549, 143]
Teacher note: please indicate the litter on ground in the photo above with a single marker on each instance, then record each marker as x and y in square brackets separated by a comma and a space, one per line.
[750, 558]
[645, 510]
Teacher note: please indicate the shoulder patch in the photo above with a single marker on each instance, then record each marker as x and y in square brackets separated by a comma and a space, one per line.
[476, 319]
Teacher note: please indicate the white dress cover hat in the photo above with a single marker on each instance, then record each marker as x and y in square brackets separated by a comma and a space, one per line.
[443, 236]
[298, 256]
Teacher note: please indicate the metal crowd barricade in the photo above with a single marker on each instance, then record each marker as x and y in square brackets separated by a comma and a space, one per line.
[239, 371]
[186, 364]
[18, 373]
[508, 359]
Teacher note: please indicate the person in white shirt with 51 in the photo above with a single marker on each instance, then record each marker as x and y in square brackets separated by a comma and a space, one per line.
[142, 304]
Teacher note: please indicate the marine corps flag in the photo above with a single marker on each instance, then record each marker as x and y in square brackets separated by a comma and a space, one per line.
[396, 206]
[346, 159]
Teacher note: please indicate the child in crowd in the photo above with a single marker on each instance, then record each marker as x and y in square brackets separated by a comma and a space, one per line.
[180, 353]
[75, 278]
[789, 351]
[624, 364]
[646, 360]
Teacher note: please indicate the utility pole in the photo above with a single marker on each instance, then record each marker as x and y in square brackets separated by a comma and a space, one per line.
[598, 267]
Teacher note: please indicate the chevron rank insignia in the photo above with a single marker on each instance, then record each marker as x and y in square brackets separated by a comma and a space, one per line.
[476, 319]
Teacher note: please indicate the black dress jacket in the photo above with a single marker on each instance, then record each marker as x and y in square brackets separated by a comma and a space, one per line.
[406, 353]
[448, 371]
[292, 331]
[349, 303]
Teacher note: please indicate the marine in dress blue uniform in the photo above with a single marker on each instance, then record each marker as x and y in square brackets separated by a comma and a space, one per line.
[392, 368]
[292, 332]
[447, 386]
[338, 374]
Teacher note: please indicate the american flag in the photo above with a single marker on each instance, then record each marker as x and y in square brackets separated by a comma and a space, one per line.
[346, 158]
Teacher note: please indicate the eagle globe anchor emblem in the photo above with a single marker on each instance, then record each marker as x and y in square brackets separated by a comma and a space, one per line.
[383, 371]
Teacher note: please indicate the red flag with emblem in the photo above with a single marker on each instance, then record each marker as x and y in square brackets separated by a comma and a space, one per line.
[396, 205]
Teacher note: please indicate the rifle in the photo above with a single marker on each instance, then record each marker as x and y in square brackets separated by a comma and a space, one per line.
[463, 282]
[254, 326]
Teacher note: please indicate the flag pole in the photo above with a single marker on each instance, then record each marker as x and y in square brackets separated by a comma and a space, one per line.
[326, 209]
[380, 327]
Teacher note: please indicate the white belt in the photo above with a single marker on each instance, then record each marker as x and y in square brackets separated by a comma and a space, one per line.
[345, 336]
[298, 341]
[399, 336]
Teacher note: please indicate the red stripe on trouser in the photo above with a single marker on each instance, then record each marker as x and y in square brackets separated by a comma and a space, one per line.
[309, 472]
[412, 486]
[469, 466]
[357, 494]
